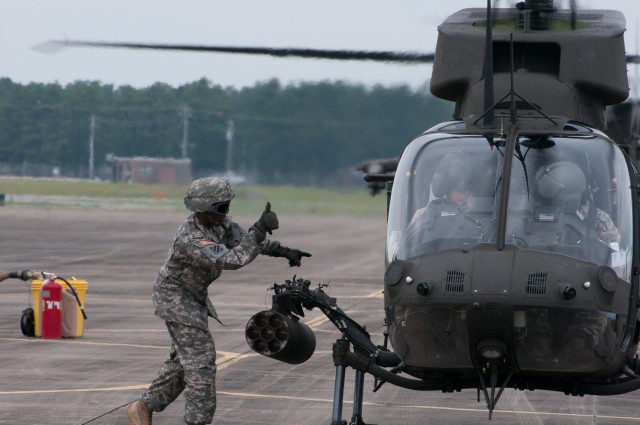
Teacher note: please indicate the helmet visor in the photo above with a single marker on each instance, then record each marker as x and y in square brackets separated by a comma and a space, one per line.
[220, 207]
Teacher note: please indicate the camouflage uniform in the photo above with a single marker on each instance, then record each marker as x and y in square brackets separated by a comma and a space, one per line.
[604, 226]
[197, 257]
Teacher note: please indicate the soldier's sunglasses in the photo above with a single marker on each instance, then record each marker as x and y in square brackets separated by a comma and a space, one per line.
[220, 207]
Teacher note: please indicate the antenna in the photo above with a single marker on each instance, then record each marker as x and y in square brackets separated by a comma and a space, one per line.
[635, 124]
[489, 119]
[512, 91]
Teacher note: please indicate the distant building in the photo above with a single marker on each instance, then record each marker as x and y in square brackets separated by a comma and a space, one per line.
[142, 169]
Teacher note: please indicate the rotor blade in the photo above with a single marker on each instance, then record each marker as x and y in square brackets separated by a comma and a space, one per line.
[381, 56]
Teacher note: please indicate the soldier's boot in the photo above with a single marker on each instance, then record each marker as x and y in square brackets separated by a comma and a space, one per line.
[139, 413]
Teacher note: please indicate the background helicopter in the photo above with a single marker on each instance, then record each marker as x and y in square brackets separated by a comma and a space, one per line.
[498, 305]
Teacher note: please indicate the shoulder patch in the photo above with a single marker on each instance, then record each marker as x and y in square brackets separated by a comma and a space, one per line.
[204, 243]
[213, 250]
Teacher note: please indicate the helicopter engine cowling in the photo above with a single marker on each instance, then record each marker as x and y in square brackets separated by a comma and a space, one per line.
[279, 337]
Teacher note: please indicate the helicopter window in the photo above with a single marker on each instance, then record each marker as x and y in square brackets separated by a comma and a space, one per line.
[449, 126]
[577, 190]
[572, 126]
[445, 189]
[567, 195]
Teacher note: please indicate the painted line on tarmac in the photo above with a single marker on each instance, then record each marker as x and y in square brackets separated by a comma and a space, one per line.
[116, 344]
[376, 294]
[126, 330]
[67, 341]
[328, 401]
[76, 390]
[328, 331]
[228, 359]
[323, 319]
[422, 407]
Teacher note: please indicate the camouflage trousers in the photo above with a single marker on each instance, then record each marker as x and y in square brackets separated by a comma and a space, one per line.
[191, 367]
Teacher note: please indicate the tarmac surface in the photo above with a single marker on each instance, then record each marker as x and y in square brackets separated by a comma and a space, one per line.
[79, 380]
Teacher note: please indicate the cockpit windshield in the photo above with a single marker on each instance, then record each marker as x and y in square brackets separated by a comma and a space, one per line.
[568, 194]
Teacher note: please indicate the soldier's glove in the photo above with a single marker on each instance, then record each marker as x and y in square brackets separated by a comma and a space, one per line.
[267, 222]
[24, 274]
[293, 255]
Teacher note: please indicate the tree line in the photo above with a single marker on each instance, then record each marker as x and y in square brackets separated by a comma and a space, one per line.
[280, 134]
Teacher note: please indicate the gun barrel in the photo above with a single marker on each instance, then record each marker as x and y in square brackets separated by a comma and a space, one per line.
[279, 337]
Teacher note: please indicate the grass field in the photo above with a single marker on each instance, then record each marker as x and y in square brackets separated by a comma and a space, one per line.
[249, 198]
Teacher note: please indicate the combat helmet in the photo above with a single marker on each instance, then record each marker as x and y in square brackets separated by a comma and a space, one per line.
[561, 183]
[209, 194]
[452, 173]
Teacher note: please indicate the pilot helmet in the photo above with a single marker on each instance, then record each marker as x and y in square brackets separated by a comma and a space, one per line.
[561, 183]
[209, 194]
[452, 173]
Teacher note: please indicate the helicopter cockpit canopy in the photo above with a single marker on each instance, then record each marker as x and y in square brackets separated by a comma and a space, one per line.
[569, 194]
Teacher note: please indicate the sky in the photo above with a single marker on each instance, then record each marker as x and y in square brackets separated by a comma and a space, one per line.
[406, 25]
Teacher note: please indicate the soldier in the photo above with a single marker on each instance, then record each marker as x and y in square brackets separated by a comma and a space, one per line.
[446, 215]
[564, 184]
[450, 185]
[207, 243]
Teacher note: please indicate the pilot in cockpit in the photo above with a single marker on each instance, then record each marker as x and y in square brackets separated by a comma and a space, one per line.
[562, 189]
[564, 201]
[451, 188]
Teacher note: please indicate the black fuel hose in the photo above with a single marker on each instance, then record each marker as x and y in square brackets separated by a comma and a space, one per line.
[75, 294]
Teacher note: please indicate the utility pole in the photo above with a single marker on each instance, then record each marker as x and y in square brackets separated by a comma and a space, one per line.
[186, 114]
[92, 135]
[229, 133]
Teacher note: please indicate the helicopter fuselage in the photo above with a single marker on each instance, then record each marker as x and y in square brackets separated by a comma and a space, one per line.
[538, 312]
[519, 276]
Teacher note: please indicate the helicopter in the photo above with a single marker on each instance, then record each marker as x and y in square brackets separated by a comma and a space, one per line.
[514, 286]
[531, 281]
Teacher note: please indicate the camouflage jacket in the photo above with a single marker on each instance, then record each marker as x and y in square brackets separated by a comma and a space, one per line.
[196, 258]
[601, 222]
